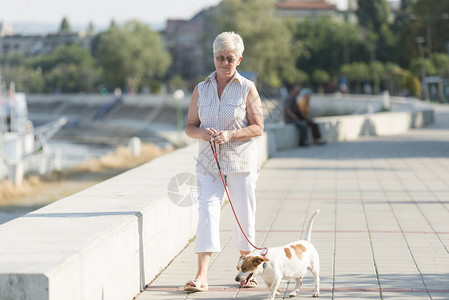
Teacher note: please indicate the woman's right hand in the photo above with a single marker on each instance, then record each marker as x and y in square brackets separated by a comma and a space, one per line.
[207, 134]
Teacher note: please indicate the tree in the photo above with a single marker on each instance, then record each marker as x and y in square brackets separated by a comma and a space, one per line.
[90, 29]
[131, 55]
[411, 83]
[373, 15]
[441, 63]
[70, 78]
[377, 71]
[69, 69]
[431, 19]
[72, 54]
[269, 48]
[392, 77]
[65, 26]
[405, 35]
[356, 72]
[320, 77]
[420, 18]
[328, 45]
[26, 79]
[417, 63]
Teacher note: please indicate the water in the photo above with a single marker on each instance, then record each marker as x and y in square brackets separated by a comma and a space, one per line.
[73, 154]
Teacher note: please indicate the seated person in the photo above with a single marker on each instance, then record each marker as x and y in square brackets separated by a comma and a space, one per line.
[293, 115]
[304, 107]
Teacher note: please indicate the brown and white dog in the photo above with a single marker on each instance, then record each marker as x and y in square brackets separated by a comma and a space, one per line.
[282, 263]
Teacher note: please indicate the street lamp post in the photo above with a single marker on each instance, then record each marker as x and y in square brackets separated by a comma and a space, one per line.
[179, 95]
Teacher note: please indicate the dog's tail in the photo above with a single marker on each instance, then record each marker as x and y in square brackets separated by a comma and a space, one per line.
[308, 232]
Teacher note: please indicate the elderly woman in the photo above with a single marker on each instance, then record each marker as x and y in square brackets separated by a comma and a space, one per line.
[227, 108]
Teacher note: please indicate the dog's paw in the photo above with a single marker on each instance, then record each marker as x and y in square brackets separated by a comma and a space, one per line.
[316, 295]
[278, 293]
[291, 295]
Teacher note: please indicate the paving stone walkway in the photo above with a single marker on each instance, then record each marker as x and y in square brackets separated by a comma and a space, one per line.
[383, 230]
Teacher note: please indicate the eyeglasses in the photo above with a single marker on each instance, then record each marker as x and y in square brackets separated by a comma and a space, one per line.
[221, 58]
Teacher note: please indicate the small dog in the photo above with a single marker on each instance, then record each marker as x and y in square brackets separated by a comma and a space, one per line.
[287, 262]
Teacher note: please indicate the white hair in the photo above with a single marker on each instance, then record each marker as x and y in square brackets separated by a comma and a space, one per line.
[229, 41]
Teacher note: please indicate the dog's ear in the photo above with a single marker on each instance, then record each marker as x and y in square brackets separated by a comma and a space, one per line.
[259, 259]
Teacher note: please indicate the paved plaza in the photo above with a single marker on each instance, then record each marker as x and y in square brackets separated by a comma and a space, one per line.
[383, 230]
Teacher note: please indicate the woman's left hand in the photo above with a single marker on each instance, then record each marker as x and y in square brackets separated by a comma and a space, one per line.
[223, 136]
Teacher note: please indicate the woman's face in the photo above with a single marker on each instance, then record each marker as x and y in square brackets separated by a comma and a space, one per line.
[226, 63]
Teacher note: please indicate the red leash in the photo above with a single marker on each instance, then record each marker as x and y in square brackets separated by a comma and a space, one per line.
[214, 152]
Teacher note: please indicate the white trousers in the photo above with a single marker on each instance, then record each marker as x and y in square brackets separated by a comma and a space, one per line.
[242, 190]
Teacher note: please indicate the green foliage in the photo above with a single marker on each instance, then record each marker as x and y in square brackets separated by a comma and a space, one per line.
[418, 18]
[441, 63]
[376, 68]
[356, 72]
[70, 78]
[269, 48]
[13, 60]
[297, 77]
[90, 28]
[320, 76]
[177, 82]
[377, 72]
[372, 14]
[26, 79]
[65, 26]
[432, 15]
[69, 69]
[417, 63]
[387, 35]
[392, 77]
[72, 54]
[327, 44]
[412, 83]
[131, 56]
[156, 86]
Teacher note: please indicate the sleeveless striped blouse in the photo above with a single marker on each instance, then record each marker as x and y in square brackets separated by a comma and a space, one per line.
[227, 113]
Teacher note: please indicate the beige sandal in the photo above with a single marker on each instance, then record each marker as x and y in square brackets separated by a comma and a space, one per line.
[192, 286]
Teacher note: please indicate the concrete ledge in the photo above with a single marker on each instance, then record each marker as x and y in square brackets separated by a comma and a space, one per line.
[404, 115]
[346, 128]
[110, 240]
[106, 242]
[280, 136]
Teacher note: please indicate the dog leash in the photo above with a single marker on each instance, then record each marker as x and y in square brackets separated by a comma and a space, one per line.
[213, 146]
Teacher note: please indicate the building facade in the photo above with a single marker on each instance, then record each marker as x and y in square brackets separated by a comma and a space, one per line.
[5, 29]
[30, 45]
[187, 41]
[302, 9]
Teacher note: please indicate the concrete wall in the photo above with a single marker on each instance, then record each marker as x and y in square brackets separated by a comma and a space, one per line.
[404, 114]
[346, 128]
[105, 242]
[108, 241]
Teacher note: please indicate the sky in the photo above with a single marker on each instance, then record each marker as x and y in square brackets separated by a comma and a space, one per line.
[100, 12]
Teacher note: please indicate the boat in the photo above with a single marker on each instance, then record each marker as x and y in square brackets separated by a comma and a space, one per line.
[23, 148]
